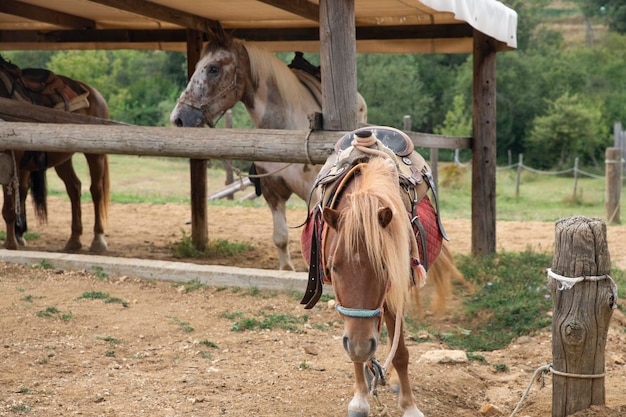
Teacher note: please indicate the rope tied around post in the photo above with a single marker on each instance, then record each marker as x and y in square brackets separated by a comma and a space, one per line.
[565, 283]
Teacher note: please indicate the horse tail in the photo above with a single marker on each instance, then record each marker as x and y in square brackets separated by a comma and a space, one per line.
[39, 193]
[442, 272]
[254, 179]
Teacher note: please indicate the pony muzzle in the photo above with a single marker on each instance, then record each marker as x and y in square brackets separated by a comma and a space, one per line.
[361, 330]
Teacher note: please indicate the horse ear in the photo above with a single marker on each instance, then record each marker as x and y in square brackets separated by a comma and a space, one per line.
[384, 216]
[217, 34]
[331, 217]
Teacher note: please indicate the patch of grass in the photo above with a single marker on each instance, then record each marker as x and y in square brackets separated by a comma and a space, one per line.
[208, 343]
[99, 273]
[29, 298]
[20, 409]
[43, 264]
[184, 326]
[264, 321]
[216, 248]
[511, 300]
[53, 312]
[99, 295]
[111, 340]
[192, 285]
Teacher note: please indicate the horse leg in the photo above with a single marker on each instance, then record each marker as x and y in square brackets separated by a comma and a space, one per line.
[281, 235]
[400, 363]
[66, 172]
[359, 406]
[99, 172]
[10, 216]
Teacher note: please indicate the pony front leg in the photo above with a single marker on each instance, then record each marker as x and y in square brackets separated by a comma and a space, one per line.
[9, 215]
[359, 406]
[400, 363]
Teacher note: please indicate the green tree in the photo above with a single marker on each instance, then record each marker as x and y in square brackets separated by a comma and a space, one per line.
[571, 128]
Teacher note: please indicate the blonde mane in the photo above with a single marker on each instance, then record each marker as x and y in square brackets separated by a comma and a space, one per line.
[389, 247]
[265, 65]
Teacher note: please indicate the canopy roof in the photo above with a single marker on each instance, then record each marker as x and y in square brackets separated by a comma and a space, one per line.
[383, 26]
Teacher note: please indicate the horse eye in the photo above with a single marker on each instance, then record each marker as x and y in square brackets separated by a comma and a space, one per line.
[213, 69]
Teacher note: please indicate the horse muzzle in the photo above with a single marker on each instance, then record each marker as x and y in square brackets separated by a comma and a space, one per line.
[360, 338]
[184, 115]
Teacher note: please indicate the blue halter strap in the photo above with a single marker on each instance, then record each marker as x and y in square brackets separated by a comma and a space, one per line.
[358, 312]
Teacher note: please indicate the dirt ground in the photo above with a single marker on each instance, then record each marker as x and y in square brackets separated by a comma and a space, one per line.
[172, 352]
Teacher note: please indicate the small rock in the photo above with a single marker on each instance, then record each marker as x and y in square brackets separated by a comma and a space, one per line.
[444, 356]
[332, 304]
[490, 410]
[311, 350]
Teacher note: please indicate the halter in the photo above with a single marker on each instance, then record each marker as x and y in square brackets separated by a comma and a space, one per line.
[204, 104]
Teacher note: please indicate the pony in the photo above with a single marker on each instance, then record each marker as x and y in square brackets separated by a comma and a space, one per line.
[27, 169]
[231, 70]
[372, 235]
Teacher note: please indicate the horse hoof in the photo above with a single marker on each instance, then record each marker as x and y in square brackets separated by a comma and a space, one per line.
[72, 246]
[98, 246]
[357, 414]
[21, 241]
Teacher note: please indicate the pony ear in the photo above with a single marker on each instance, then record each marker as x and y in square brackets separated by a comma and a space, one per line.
[331, 216]
[384, 216]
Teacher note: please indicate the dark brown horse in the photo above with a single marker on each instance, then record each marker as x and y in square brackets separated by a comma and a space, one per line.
[29, 167]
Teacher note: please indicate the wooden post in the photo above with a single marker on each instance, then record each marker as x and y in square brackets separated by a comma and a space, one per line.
[581, 314]
[518, 180]
[613, 173]
[197, 167]
[338, 62]
[484, 146]
[575, 178]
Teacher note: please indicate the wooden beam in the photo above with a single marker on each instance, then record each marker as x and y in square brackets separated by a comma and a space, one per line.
[302, 8]
[273, 145]
[338, 63]
[20, 111]
[163, 13]
[42, 14]
[484, 146]
[452, 31]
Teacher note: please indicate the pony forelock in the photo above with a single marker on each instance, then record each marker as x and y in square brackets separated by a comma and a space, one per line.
[389, 247]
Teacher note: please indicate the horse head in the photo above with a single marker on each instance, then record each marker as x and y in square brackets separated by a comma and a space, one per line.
[216, 85]
[360, 293]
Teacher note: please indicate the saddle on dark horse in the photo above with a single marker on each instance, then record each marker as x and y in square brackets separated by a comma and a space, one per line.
[415, 180]
[42, 87]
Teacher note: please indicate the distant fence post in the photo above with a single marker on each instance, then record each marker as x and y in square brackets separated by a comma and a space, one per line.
[575, 178]
[584, 296]
[613, 172]
[619, 136]
[520, 164]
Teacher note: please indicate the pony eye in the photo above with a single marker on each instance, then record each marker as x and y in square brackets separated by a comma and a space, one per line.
[213, 69]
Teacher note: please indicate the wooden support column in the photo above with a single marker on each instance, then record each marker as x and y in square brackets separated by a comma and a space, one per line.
[338, 64]
[484, 146]
[197, 167]
[581, 313]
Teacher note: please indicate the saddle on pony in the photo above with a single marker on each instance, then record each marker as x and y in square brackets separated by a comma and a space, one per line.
[414, 176]
[42, 87]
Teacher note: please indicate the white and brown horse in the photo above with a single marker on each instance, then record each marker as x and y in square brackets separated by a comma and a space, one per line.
[230, 71]
[29, 167]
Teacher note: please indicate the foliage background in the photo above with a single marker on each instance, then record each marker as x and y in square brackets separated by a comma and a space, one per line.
[561, 90]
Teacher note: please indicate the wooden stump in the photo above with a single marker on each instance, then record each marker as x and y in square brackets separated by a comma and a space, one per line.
[581, 314]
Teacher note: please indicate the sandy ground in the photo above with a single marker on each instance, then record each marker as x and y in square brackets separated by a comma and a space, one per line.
[173, 352]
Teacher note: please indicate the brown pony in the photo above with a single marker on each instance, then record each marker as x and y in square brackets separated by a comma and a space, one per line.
[29, 167]
[368, 257]
[230, 71]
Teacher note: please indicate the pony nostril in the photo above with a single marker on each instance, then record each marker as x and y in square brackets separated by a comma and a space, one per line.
[346, 342]
[178, 122]
[373, 345]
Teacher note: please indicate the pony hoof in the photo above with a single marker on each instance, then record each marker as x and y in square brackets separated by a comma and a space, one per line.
[357, 414]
